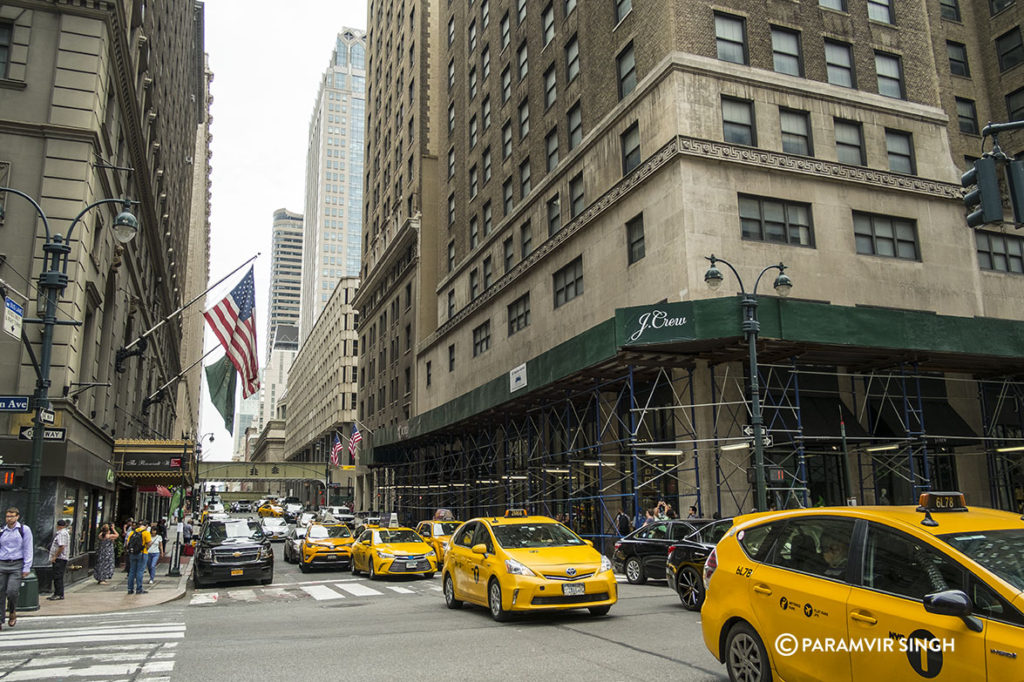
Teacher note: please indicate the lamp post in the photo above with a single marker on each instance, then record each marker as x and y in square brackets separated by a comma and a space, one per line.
[174, 568]
[52, 282]
[751, 327]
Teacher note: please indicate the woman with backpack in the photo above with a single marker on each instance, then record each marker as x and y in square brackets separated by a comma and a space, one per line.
[136, 543]
[153, 551]
[104, 570]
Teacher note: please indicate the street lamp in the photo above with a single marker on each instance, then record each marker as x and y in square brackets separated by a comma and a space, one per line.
[52, 282]
[783, 285]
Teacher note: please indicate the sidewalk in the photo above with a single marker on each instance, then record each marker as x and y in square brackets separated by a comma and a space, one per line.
[87, 596]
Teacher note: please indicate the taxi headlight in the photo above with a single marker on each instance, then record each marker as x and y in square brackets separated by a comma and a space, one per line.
[513, 567]
[385, 555]
[606, 565]
[431, 552]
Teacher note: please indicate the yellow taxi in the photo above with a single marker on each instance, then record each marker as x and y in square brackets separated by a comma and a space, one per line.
[437, 534]
[525, 563]
[270, 509]
[392, 551]
[325, 545]
[869, 593]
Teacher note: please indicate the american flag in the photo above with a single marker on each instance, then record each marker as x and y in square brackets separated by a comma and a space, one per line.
[233, 320]
[335, 450]
[353, 441]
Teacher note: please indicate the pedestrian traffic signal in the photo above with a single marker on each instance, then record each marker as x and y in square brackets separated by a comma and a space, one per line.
[984, 203]
[1015, 187]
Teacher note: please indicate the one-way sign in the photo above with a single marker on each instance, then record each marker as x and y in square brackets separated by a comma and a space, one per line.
[48, 434]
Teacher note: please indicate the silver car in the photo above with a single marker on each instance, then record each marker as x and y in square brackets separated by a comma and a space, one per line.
[275, 528]
[293, 544]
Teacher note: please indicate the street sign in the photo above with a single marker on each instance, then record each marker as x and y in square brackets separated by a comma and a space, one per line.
[767, 441]
[13, 315]
[48, 434]
[46, 416]
[13, 403]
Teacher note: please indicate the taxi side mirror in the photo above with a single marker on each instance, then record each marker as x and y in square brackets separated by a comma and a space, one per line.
[589, 542]
[479, 549]
[953, 603]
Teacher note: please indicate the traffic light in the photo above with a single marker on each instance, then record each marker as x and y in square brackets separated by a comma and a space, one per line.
[984, 203]
[1015, 186]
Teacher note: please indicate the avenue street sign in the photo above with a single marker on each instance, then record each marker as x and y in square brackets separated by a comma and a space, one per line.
[13, 403]
[48, 434]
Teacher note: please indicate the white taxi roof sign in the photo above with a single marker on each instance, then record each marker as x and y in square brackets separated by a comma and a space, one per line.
[936, 501]
[516, 514]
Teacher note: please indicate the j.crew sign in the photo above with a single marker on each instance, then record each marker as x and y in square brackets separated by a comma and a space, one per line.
[656, 324]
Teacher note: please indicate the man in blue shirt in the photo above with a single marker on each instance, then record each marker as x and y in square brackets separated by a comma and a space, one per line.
[15, 562]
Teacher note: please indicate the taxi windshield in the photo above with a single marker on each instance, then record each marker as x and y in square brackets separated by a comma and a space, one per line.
[399, 536]
[1000, 551]
[321, 532]
[446, 527]
[520, 535]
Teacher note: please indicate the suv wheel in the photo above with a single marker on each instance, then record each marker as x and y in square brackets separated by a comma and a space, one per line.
[690, 587]
[745, 655]
[635, 572]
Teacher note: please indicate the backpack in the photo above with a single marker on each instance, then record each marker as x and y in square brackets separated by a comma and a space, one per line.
[134, 544]
[623, 524]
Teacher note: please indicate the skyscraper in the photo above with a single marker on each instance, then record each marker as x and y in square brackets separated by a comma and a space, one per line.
[334, 177]
[285, 273]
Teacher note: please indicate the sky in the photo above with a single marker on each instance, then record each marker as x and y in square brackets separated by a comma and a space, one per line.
[267, 60]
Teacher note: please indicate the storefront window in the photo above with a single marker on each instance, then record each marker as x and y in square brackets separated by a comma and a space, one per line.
[82, 527]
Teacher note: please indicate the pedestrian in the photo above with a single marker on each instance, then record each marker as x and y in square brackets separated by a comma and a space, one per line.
[153, 551]
[161, 528]
[622, 524]
[104, 570]
[693, 512]
[649, 517]
[15, 562]
[59, 556]
[671, 513]
[186, 531]
[136, 543]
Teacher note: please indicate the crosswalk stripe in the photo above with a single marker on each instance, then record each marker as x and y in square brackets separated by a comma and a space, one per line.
[208, 598]
[105, 630]
[401, 590]
[358, 590]
[64, 672]
[435, 588]
[60, 638]
[321, 592]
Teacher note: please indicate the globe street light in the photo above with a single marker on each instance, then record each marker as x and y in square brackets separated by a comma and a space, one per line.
[783, 285]
[52, 282]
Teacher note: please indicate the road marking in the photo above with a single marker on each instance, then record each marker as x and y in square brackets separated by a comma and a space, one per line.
[207, 598]
[435, 588]
[401, 590]
[27, 639]
[279, 592]
[321, 592]
[243, 595]
[359, 590]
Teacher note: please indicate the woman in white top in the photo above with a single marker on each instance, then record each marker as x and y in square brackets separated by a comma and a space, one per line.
[153, 553]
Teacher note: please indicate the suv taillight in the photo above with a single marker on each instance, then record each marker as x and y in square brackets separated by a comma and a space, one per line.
[671, 549]
[709, 567]
[617, 545]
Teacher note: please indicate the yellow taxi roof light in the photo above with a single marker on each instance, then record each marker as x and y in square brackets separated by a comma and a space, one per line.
[516, 514]
[936, 501]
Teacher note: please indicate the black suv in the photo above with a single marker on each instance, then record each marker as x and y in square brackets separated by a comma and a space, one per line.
[642, 553]
[232, 550]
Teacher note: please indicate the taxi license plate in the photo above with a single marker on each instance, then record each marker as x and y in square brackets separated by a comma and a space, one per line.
[410, 564]
[332, 556]
[572, 590]
[236, 571]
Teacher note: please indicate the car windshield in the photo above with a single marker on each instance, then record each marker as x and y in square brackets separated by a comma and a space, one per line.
[400, 535]
[321, 532]
[274, 521]
[446, 527]
[218, 531]
[520, 535]
[1000, 551]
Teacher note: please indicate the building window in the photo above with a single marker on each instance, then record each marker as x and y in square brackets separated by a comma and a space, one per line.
[521, 11]
[576, 200]
[1015, 105]
[524, 178]
[451, 256]
[451, 118]
[900, 148]
[630, 148]
[839, 64]
[6, 37]
[506, 32]
[849, 142]
[574, 119]
[786, 51]
[487, 165]
[839, 5]
[472, 36]
[451, 162]
[1009, 49]
[880, 235]
[485, 13]
[890, 75]
[731, 38]
[554, 215]
[570, 5]
[472, 83]
[524, 118]
[568, 282]
[738, 121]
[774, 220]
[474, 233]
[507, 198]
[525, 239]
[488, 218]
[551, 145]
[485, 112]
[474, 284]
[550, 87]
[451, 304]
[572, 59]
[627, 71]
[519, 314]
[451, 358]
[451, 210]
[958, 65]
[548, 20]
[472, 132]
[451, 31]
[524, 64]
[950, 9]
[488, 272]
[622, 8]
[485, 62]
[429, 373]
[508, 250]
[506, 84]
[482, 338]
[997, 6]
[880, 10]
[1001, 252]
[796, 132]
[635, 239]
[451, 74]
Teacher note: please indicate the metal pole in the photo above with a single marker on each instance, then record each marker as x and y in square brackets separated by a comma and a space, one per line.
[751, 326]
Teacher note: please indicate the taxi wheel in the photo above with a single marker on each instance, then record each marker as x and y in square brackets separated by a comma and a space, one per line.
[355, 571]
[429, 576]
[370, 572]
[690, 587]
[745, 656]
[498, 613]
[303, 567]
[635, 572]
[449, 594]
[600, 610]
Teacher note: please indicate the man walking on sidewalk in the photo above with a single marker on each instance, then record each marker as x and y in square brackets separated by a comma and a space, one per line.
[59, 556]
[136, 544]
[15, 562]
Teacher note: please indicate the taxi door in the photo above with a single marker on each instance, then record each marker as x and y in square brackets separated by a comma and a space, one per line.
[1004, 631]
[799, 612]
[458, 559]
[898, 571]
[479, 567]
[359, 550]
